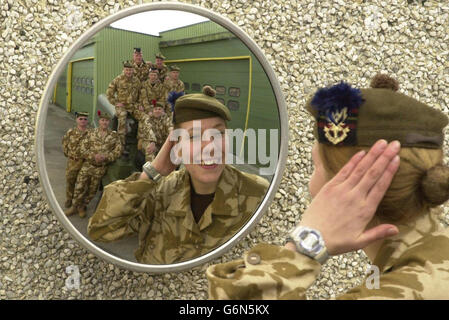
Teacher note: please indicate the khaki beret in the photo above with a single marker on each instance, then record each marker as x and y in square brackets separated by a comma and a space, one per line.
[348, 116]
[81, 114]
[103, 115]
[174, 68]
[199, 106]
[127, 64]
[160, 56]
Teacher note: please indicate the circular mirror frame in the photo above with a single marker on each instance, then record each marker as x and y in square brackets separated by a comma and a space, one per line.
[42, 116]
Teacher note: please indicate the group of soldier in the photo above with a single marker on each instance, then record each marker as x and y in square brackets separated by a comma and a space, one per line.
[141, 92]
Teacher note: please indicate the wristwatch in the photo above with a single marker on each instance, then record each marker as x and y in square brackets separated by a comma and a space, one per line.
[151, 172]
[309, 241]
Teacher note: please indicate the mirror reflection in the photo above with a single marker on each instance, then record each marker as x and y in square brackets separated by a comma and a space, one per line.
[189, 105]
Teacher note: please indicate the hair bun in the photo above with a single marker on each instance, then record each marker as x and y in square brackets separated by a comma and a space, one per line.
[208, 91]
[435, 185]
[385, 82]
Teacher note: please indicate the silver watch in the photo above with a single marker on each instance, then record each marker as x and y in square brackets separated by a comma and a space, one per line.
[309, 241]
[151, 172]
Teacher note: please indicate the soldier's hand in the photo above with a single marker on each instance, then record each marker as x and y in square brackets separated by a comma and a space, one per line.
[345, 205]
[162, 162]
[99, 158]
[151, 148]
[119, 104]
[141, 108]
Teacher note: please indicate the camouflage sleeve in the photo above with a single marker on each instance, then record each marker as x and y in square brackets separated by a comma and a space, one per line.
[110, 92]
[266, 272]
[136, 91]
[117, 151]
[85, 149]
[148, 134]
[122, 209]
[143, 99]
[182, 87]
[65, 143]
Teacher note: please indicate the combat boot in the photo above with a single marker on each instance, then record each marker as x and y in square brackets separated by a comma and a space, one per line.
[82, 211]
[70, 211]
[68, 203]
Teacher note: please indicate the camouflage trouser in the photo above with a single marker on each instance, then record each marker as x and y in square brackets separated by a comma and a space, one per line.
[87, 184]
[71, 173]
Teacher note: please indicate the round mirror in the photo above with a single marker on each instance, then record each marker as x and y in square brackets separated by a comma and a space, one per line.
[114, 88]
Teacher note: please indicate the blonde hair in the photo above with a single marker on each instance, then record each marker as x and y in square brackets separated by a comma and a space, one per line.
[421, 182]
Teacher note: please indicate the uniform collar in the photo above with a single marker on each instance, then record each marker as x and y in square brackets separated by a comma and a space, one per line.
[225, 201]
[409, 233]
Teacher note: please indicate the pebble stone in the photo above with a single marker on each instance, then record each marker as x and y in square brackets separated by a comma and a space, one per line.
[308, 43]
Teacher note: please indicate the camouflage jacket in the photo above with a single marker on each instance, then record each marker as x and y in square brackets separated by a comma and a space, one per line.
[151, 92]
[413, 265]
[123, 90]
[146, 130]
[162, 216]
[141, 72]
[159, 126]
[95, 143]
[163, 72]
[71, 142]
[171, 85]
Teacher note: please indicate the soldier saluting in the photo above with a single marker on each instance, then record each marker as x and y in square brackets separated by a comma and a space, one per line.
[71, 147]
[123, 93]
[100, 147]
[141, 67]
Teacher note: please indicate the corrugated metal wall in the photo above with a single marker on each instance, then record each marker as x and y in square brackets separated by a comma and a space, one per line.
[195, 30]
[114, 46]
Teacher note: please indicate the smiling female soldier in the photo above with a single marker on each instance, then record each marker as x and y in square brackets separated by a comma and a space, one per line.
[180, 215]
[342, 217]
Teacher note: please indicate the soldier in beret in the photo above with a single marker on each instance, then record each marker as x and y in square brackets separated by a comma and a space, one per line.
[152, 90]
[180, 215]
[141, 68]
[123, 93]
[172, 83]
[160, 66]
[100, 147]
[398, 230]
[71, 147]
[153, 131]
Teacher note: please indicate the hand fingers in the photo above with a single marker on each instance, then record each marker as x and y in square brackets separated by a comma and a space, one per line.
[376, 170]
[348, 167]
[377, 192]
[363, 166]
[377, 233]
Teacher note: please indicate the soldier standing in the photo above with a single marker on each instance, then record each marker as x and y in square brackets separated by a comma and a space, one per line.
[172, 83]
[71, 147]
[123, 93]
[153, 131]
[152, 89]
[100, 147]
[141, 68]
[160, 66]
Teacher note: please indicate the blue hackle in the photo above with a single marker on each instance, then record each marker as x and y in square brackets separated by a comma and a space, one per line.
[337, 97]
[172, 97]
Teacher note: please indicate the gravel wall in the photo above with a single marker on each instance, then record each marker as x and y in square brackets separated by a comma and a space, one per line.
[309, 44]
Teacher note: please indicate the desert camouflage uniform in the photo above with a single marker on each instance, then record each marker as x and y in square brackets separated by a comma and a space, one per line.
[145, 136]
[162, 71]
[124, 90]
[149, 92]
[413, 265]
[91, 172]
[141, 71]
[71, 143]
[162, 216]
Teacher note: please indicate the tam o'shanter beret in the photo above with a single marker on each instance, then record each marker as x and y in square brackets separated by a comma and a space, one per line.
[127, 64]
[347, 116]
[174, 68]
[160, 56]
[137, 50]
[103, 115]
[81, 114]
[197, 106]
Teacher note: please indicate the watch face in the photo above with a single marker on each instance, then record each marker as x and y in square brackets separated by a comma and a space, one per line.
[311, 242]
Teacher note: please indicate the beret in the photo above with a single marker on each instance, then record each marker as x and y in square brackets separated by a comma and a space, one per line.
[197, 106]
[347, 116]
[81, 114]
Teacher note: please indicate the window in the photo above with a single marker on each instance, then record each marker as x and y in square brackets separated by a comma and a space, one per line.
[186, 86]
[221, 100]
[234, 92]
[196, 87]
[220, 89]
[233, 105]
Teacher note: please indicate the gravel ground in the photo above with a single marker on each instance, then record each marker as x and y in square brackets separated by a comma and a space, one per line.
[308, 44]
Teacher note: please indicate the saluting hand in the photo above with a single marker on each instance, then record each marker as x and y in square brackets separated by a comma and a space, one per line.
[345, 205]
